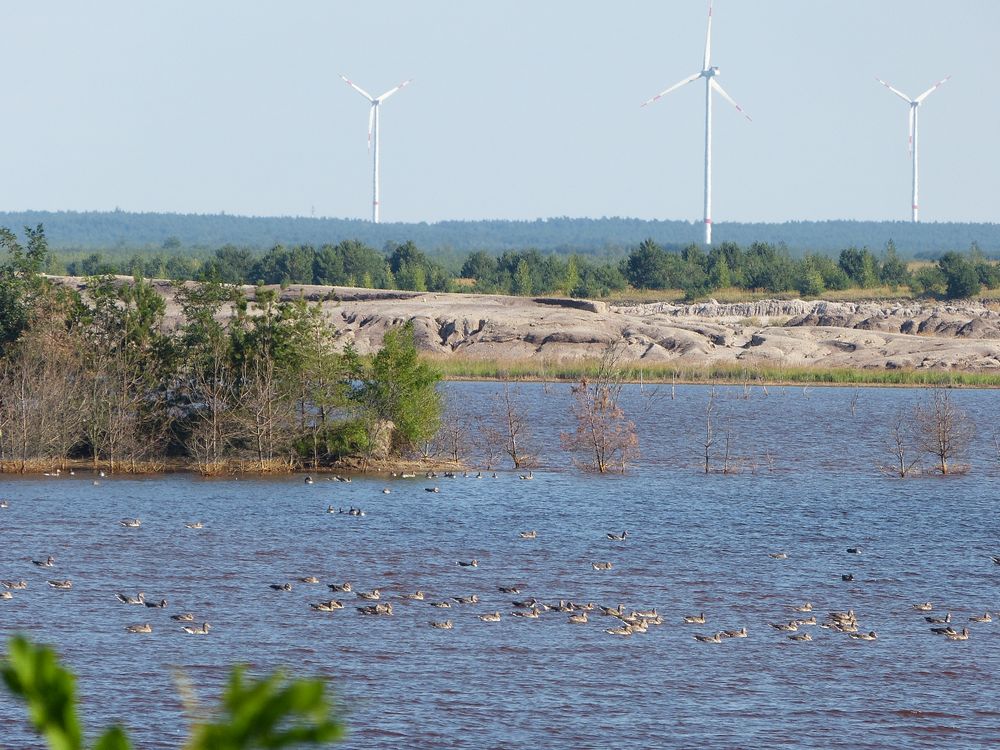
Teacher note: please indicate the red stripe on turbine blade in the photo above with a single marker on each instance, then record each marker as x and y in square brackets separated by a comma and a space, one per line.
[708, 221]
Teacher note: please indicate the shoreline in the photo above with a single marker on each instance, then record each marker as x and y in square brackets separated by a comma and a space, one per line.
[530, 372]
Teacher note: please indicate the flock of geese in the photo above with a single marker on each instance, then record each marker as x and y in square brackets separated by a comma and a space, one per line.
[623, 622]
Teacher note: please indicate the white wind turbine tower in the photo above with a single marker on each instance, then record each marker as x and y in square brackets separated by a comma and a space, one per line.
[709, 73]
[373, 122]
[914, 106]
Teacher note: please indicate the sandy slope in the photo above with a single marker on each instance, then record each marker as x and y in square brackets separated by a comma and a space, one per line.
[793, 333]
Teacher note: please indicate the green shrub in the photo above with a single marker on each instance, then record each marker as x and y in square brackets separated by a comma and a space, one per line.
[270, 713]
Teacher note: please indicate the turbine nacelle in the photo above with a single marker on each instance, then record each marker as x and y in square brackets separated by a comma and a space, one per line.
[711, 72]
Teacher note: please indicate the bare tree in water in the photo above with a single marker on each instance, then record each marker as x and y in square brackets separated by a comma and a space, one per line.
[944, 430]
[603, 433]
[901, 446]
[454, 438]
[511, 416]
[708, 441]
[489, 442]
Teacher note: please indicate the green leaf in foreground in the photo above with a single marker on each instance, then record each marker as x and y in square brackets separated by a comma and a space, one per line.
[273, 712]
[270, 713]
[33, 673]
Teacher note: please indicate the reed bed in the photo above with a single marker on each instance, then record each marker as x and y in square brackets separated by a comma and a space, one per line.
[529, 369]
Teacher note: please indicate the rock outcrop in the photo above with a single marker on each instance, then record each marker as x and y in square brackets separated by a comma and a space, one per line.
[963, 336]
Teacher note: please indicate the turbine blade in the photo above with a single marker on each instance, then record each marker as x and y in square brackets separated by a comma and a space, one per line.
[728, 98]
[708, 38]
[371, 123]
[676, 86]
[390, 92]
[897, 92]
[913, 114]
[932, 89]
[357, 88]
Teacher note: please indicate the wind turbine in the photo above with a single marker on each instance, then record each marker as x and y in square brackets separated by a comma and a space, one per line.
[373, 121]
[914, 106]
[709, 73]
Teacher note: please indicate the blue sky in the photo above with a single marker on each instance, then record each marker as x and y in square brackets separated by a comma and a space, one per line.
[518, 109]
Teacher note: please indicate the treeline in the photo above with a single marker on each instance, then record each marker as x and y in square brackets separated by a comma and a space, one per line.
[122, 232]
[95, 376]
[759, 267]
[352, 263]
[768, 268]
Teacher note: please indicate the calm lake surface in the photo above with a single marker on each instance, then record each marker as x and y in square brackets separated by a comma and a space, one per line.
[809, 486]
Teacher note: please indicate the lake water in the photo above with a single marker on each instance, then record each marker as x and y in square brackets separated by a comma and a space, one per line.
[809, 486]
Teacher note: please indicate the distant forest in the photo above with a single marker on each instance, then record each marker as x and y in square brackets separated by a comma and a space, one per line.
[118, 232]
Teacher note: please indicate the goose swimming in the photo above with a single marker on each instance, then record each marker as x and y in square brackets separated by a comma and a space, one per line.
[131, 523]
[778, 555]
[416, 596]
[195, 525]
[6, 595]
[139, 598]
[343, 588]
[16, 585]
[923, 607]
[329, 606]
[601, 566]
[309, 579]
[963, 636]
[984, 618]
[48, 562]
[946, 630]
[800, 637]
[473, 599]
[369, 595]
[939, 620]
[441, 605]
[528, 534]
[807, 607]
[156, 605]
[622, 630]
[741, 633]
[613, 611]
[698, 619]
[382, 608]
[529, 475]
[529, 613]
[789, 626]
[491, 617]
[201, 630]
[441, 625]
[618, 537]
[281, 586]
[144, 628]
[64, 584]
[847, 616]
[869, 636]
[509, 589]
[578, 619]
[183, 617]
[717, 638]
[470, 564]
